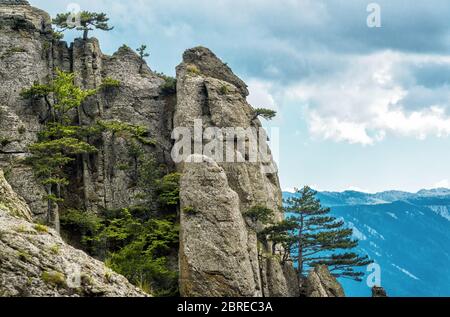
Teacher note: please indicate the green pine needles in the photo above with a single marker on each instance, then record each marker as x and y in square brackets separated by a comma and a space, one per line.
[59, 142]
[312, 235]
[84, 21]
[320, 239]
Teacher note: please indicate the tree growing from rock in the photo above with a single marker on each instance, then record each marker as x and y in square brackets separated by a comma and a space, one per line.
[320, 239]
[84, 21]
[142, 51]
[59, 142]
[264, 113]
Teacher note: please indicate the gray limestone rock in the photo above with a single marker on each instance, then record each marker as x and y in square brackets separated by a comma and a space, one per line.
[208, 91]
[320, 283]
[35, 261]
[14, 2]
[214, 260]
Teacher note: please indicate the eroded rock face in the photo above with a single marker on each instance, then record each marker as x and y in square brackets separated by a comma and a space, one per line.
[35, 261]
[320, 283]
[12, 203]
[25, 44]
[208, 91]
[28, 55]
[14, 2]
[137, 101]
[213, 257]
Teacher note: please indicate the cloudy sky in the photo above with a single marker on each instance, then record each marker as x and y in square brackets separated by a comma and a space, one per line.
[359, 108]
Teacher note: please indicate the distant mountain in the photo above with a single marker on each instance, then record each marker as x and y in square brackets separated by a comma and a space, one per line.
[407, 234]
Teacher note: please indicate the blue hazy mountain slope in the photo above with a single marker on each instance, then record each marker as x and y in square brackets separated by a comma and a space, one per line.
[407, 234]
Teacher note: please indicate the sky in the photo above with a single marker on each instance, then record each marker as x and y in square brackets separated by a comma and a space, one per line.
[359, 107]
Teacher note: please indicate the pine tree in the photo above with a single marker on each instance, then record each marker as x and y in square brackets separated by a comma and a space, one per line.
[320, 239]
[59, 143]
[84, 21]
[142, 54]
[264, 113]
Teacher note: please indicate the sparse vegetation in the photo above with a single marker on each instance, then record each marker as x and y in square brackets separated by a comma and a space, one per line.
[13, 50]
[23, 256]
[189, 210]
[54, 278]
[224, 90]
[142, 51]
[264, 113]
[84, 21]
[170, 85]
[110, 83]
[55, 249]
[41, 228]
[193, 69]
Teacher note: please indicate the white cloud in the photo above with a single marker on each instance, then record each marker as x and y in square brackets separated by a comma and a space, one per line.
[260, 96]
[445, 183]
[368, 101]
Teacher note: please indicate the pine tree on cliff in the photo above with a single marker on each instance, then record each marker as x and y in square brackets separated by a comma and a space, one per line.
[142, 50]
[320, 239]
[59, 142]
[84, 21]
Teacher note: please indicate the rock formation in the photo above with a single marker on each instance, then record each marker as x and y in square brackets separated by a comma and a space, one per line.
[219, 254]
[378, 292]
[221, 192]
[320, 283]
[35, 261]
[28, 55]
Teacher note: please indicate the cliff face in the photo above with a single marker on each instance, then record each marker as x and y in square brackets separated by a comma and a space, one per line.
[29, 55]
[219, 253]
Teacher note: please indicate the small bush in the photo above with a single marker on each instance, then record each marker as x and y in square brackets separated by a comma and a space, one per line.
[168, 189]
[224, 90]
[83, 222]
[55, 249]
[193, 69]
[22, 229]
[54, 278]
[110, 83]
[41, 228]
[170, 85]
[190, 210]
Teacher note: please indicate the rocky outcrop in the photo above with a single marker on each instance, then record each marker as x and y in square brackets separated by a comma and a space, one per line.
[320, 283]
[29, 54]
[137, 101]
[25, 42]
[14, 2]
[213, 261]
[35, 261]
[10, 202]
[208, 91]
[378, 292]
[219, 254]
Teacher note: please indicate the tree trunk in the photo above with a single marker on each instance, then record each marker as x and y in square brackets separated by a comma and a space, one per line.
[300, 248]
[85, 35]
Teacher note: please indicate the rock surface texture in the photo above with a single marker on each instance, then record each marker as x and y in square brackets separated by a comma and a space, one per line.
[28, 55]
[215, 241]
[320, 283]
[35, 261]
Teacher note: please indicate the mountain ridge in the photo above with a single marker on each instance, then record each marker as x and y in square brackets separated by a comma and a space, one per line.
[406, 234]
